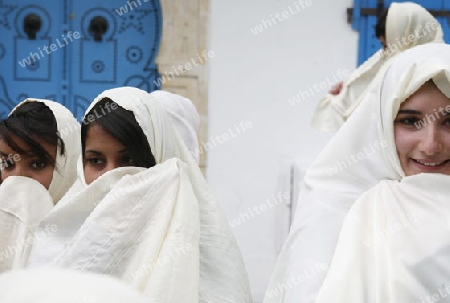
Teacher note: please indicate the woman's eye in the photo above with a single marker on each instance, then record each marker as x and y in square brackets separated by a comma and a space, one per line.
[38, 164]
[447, 122]
[127, 160]
[409, 120]
[95, 161]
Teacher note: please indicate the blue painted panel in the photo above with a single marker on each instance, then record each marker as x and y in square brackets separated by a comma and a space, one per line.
[96, 62]
[37, 64]
[369, 44]
[445, 22]
[125, 55]
[29, 67]
[428, 4]
[65, 63]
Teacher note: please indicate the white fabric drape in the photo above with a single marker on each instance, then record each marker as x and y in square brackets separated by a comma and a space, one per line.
[184, 117]
[357, 158]
[24, 202]
[394, 245]
[57, 286]
[403, 20]
[158, 229]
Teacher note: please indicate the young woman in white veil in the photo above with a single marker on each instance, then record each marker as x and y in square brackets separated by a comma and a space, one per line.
[361, 155]
[407, 25]
[394, 245]
[39, 146]
[148, 218]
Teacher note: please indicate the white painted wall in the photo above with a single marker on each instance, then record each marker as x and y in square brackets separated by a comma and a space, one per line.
[251, 78]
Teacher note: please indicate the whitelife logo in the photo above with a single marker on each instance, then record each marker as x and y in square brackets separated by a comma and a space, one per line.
[48, 49]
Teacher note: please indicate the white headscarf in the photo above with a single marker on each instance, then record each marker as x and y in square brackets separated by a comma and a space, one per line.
[158, 229]
[407, 25]
[184, 117]
[24, 201]
[57, 286]
[358, 157]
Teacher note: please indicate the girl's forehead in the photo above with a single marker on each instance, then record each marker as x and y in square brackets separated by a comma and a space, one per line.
[97, 137]
[427, 97]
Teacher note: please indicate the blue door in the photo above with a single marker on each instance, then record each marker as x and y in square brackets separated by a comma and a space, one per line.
[71, 50]
[368, 43]
[118, 46]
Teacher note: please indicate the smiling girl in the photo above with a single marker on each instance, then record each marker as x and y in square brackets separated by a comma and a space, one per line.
[338, 214]
[423, 147]
[377, 254]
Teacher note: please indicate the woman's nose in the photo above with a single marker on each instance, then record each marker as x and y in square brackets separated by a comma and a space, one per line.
[431, 142]
[111, 165]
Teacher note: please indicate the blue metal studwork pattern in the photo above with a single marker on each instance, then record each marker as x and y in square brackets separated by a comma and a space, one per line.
[67, 61]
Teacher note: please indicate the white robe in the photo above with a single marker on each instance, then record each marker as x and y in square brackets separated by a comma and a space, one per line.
[359, 156]
[403, 19]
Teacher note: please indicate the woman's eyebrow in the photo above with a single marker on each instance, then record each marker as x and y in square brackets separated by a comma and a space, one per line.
[409, 111]
[92, 152]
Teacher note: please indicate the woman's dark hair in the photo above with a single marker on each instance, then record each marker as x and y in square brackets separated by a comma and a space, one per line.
[380, 28]
[122, 125]
[30, 122]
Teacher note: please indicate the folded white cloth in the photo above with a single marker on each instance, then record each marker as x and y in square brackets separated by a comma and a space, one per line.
[394, 245]
[20, 213]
